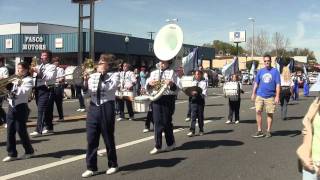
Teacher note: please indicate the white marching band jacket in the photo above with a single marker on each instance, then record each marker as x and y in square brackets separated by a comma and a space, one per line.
[108, 87]
[49, 75]
[20, 91]
[167, 74]
[127, 80]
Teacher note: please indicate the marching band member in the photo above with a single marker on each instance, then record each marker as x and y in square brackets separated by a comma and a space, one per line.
[44, 89]
[59, 87]
[127, 82]
[164, 107]
[18, 112]
[197, 103]
[4, 73]
[101, 86]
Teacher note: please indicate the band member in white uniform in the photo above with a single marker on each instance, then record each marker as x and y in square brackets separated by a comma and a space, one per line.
[4, 73]
[127, 82]
[18, 112]
[44, 89]
[197, 103]
[59, 88]
[101, 86]
[164, 107]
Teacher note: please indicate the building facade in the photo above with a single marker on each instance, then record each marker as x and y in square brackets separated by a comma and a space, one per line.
[23, 41]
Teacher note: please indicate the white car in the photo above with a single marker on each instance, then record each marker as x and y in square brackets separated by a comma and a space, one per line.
[312, 79]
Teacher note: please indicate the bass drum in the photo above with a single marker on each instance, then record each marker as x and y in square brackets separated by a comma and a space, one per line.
[74, 75]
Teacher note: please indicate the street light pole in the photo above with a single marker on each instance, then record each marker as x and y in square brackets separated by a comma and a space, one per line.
[126, 41]
[252, 46]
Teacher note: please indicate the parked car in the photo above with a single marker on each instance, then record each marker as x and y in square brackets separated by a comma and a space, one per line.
[312, 79]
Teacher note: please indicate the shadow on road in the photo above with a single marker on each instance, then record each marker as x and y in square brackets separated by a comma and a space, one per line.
[208, 144]
[215, 105]
[213, 118]
[177, 127]
[153, 163]
[71, 131]
[291, 133]
[219, 131]
[60, 154]
[294, 117]
[32, 141]
[251, 121]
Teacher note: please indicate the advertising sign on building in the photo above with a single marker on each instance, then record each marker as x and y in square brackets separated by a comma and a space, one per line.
[237, 36]
[33, 43]
[58, 43]
[8, 43]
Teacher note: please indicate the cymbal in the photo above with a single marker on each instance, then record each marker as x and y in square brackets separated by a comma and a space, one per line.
[188, 90]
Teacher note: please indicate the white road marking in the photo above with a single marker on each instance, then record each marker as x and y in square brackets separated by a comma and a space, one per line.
[80, 157]
[252, 107]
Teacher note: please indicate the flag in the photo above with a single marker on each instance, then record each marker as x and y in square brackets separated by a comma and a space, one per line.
[278, 65]
[305, 72]
[253, 68]
[291, 65]
[232, 68]
[190, 62]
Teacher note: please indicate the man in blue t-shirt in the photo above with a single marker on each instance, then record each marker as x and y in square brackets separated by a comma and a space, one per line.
[266, 92]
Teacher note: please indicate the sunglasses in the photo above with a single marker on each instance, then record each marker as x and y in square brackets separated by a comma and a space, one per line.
[267, 61]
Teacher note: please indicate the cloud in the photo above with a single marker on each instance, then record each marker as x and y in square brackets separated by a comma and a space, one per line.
[305, 36]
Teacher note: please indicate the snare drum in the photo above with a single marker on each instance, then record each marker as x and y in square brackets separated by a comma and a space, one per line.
[231, 89]
[141, 103]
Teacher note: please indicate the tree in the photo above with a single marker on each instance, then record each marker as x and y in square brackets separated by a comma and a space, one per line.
[280, 43]
[227, 48]
[261, 43]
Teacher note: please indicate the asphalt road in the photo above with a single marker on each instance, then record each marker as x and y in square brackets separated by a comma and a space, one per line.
[225, 152]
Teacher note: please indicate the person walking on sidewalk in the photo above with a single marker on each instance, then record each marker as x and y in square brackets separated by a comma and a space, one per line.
[266, 93]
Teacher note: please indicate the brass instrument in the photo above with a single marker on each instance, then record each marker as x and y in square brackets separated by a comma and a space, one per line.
[6, 81]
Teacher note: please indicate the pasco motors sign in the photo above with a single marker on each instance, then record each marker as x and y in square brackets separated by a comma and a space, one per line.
[33, 43]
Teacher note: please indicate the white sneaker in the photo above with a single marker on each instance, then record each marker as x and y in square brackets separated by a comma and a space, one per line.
[88, 173]
[44, 132]
[170, 148]
[237, 122]
[190, 134]
[155, 151]
[9, 158]
[228, 122]
[27, 156]
[78, 109]
[145, 130]
[112, 170]
[131, 119]
[187, 119]
[35, 133]
[120, 119]
[82, 110]
[6, 125]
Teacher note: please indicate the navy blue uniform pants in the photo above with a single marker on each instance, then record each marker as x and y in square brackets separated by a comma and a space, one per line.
[101, 120]
[58, 99]
[163, 110]
[197, 113]
[44, 100]
[2, 112]
[80, 97]
[234, 108]
[149, 117]
[189, 108]
[16, 120]
[129, 107]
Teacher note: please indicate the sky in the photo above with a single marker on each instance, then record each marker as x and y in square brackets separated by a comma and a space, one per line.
[202, 21]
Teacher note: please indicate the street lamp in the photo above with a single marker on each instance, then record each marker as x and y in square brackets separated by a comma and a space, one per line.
[126, 41]
[252, 46]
